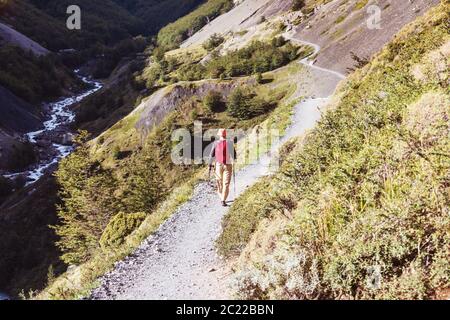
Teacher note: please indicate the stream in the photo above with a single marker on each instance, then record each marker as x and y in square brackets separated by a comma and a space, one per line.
[53, 140]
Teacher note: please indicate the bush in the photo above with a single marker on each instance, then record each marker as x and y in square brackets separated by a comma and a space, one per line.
[213, 101]
[297, 5]
[366, 195]
[257, 57]
[213, 42]
[120, 226]
[244, 104]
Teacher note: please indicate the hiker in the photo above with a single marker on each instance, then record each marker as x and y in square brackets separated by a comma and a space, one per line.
[223, 154]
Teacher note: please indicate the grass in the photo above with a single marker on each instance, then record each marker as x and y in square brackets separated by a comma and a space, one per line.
[364, 196]
[172, 35]
[77, 283]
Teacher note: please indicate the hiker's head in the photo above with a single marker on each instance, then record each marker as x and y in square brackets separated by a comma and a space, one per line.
[222, 133]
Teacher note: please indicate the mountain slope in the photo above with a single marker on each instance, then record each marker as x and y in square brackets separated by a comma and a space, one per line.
[115, 191]
[360, 206]
[342, 28]
[11, 36]
[157, 13]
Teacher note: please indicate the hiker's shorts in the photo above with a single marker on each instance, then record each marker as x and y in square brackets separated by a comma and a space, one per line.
[223, 177]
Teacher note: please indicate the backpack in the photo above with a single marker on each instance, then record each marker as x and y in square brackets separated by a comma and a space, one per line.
[222, 153]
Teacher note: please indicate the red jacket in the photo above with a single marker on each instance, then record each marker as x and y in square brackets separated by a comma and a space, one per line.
[223, 152]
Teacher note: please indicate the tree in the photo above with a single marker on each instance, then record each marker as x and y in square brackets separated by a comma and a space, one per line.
[213, 42]
[144, 185]
[297, 5]
[88, 203]
[213, 101]
[244, 104]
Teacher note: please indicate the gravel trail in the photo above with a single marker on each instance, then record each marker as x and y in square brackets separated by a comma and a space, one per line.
[180, 261]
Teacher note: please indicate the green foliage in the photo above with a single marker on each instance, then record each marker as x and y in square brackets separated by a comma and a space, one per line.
[213, 42]
[213, 101]
[87, 191]
[278, 41]
[339, 19]
[157, 13]
[92, 194]
[120, 226]
[257, 57]
[244, 104]
[297, 5]
[32, 78]
[366, 193]
[171, 36]
[191, 72]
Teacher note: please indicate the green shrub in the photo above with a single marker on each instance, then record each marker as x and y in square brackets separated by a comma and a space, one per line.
[120, 226]
[244, 104]
[339, 19]
[213, 42]
[257, 57]
[361, 4]
[213, 101]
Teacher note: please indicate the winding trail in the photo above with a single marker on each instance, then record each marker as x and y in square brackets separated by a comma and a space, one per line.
[180, 261]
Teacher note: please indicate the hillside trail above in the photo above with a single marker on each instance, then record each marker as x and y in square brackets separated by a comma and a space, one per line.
[180, 261]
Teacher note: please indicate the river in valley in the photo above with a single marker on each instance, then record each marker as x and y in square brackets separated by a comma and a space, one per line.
[53, 140]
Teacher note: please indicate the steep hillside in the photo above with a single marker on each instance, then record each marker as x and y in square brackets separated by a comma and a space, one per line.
[10, 36]
[45, 22]
[359, 208]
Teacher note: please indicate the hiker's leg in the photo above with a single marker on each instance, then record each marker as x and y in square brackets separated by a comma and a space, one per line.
[219, 178]
[227, 181]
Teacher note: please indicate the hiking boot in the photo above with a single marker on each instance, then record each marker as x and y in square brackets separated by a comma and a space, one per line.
[224, 204]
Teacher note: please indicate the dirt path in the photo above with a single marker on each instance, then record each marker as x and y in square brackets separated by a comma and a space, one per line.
[179, 261]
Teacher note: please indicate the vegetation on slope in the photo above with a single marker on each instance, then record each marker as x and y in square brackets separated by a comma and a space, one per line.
[32, 78]
[257, 57]
[359, 208]
[156, 13]
[172, 35]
